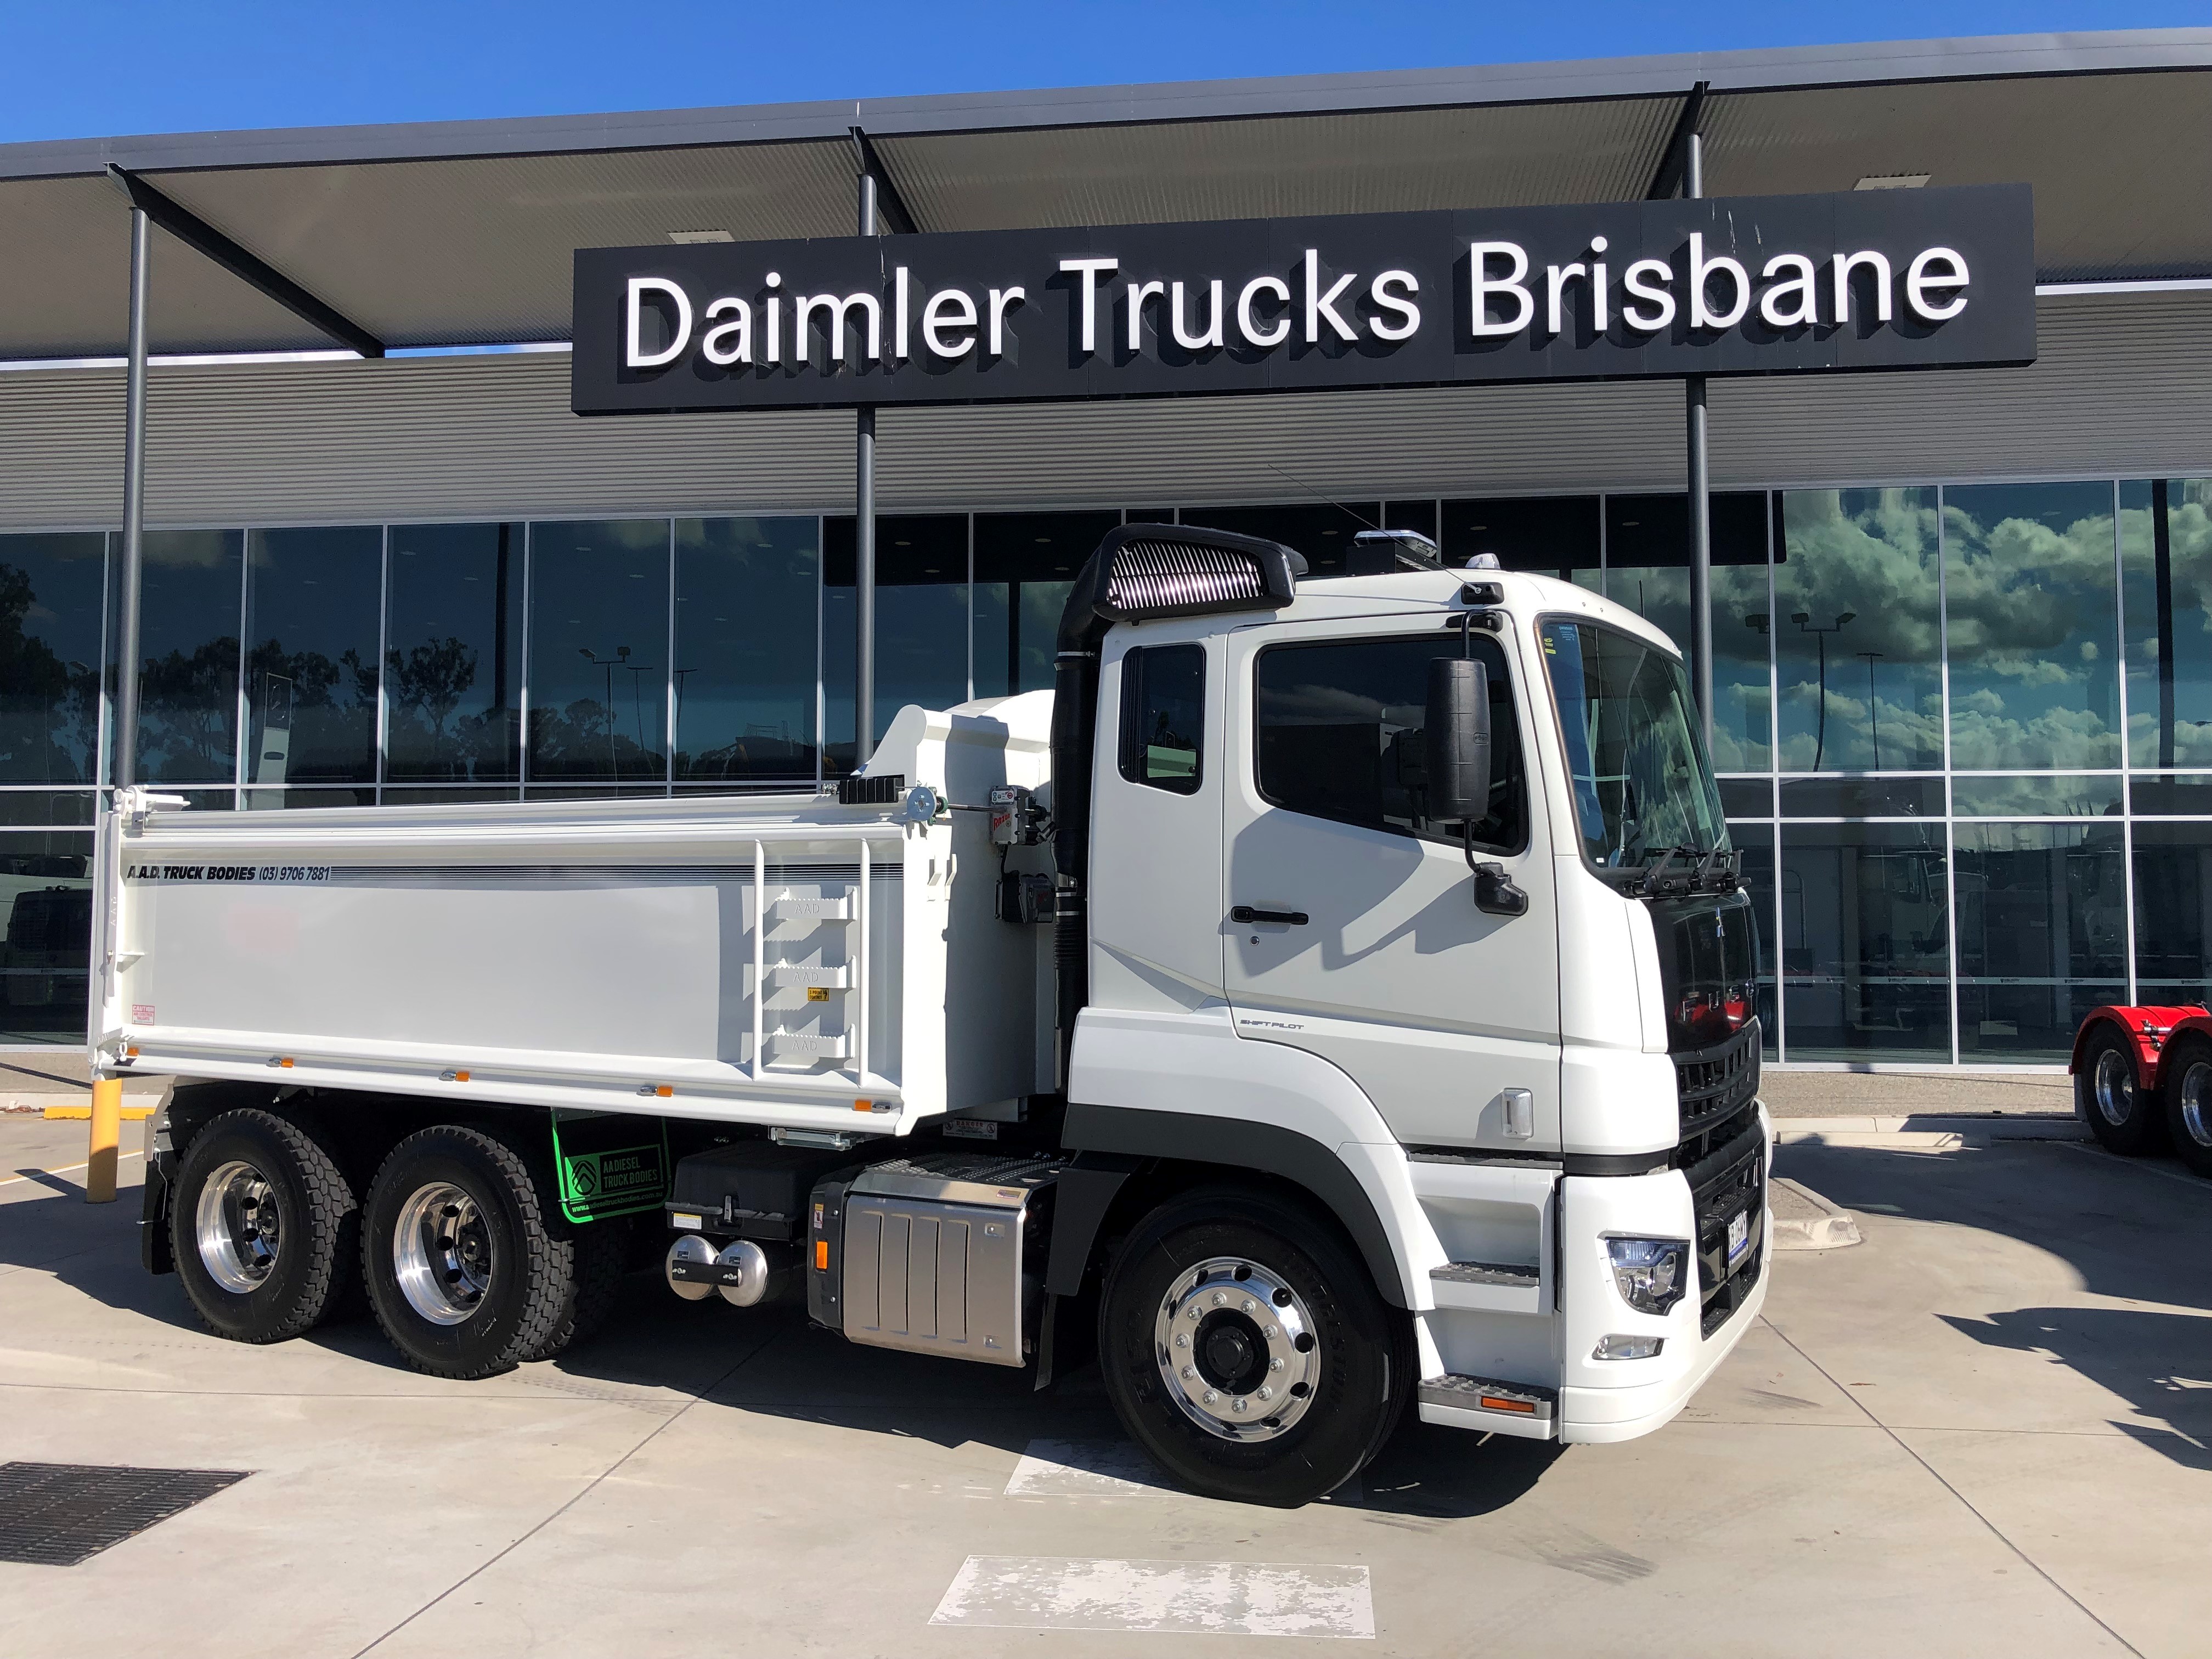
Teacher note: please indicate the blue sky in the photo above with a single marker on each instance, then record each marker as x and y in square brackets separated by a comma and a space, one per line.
[97, 68]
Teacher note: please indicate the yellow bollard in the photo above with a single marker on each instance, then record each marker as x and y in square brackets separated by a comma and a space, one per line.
[106, 1131]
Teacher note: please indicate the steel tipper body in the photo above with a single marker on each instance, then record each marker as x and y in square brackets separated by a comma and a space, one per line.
[1335, 997]
[2143, 1080]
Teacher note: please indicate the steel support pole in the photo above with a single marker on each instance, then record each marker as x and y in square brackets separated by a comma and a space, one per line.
[134, 510]
[1701, 515]
[864, 539]
[101, 1155]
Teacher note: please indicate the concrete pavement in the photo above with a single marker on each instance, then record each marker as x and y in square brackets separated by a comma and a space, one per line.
[1987, 1430]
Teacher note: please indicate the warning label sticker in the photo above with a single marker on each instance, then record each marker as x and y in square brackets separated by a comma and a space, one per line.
[293, 873]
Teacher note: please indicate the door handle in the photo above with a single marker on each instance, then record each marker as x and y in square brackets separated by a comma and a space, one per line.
[1288, 918]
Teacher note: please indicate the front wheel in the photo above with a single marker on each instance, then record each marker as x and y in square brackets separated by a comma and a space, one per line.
[2189, 1103]
[2118, 1110]
[1252, 1367]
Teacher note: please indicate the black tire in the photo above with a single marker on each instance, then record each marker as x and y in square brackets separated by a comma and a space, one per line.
[494, 1275]
[2188, 1103]
[2119, 1111]
[601, 1258]
[238, 1167]
[1360, 1362]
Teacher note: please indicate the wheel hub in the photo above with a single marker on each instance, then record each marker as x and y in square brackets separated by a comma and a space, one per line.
[2196, 1102]
[1236, 1350]
[2115, 1088]
[238, 1227]
[441, 1254]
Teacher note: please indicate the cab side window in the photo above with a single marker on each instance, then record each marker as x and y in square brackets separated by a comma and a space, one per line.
[1340, 735]
[1164, 716]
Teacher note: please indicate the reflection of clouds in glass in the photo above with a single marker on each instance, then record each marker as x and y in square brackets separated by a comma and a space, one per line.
[1869, 555]
[2030, 585]
[2056, 738]
[2189, 532]
[2035, 797]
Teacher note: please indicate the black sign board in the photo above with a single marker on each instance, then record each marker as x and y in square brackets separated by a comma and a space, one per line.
[1756, 285]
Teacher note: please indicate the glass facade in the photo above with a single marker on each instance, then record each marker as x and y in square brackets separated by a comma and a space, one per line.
[1964, 730]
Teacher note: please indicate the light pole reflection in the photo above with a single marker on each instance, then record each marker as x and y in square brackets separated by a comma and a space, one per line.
[1804, 621]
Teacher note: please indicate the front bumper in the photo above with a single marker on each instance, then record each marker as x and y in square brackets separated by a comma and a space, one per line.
[1604, 1400]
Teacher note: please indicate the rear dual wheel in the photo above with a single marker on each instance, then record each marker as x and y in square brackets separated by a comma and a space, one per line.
[2122, 1114]
[471, 1268]
[263, 1227]
[2189, 1103]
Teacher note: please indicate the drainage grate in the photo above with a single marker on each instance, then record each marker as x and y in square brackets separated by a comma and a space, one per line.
[56, 1515]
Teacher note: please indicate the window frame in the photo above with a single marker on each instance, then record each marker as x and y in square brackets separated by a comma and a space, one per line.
[1501, 673]
[1132, 686]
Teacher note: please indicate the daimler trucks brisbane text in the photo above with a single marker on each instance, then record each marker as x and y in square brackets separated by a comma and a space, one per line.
[1334, 997]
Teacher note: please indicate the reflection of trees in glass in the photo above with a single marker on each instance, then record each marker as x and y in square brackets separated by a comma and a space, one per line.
[51, 708]
[586, 739]
[428, 683]
[1868, 555]
[2029, 580]
[184, 710]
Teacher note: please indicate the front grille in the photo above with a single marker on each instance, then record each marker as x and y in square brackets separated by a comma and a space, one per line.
[1714, 1082]
[1731, 1180]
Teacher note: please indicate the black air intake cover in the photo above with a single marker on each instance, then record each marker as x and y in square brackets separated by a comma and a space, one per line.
[853, 790]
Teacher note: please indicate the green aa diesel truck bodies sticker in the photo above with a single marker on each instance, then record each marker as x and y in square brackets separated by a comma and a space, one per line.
[605, 1169]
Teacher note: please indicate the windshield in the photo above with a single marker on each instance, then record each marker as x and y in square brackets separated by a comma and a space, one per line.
[1642, 785]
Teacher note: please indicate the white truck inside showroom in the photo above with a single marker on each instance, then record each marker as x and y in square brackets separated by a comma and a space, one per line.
[1335, 996]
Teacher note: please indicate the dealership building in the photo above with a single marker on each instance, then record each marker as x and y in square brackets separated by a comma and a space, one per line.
[1961, 618]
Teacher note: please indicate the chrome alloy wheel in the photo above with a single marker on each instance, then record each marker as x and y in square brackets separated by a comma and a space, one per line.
[441, 1254]
[2197, 1101]
[2114, 1086]
[1236, 1349]
[238, 1226]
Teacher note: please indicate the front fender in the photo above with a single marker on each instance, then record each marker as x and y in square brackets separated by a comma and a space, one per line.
[1187, 1086]
[2149, 1031]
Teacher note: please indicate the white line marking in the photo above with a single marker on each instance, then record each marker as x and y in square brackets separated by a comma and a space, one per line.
[1193, 1598]
[2091, 1150]
[1084, 1468]
[1111, 1468]
[65, 1168]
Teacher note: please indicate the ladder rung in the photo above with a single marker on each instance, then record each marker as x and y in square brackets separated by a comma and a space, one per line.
[785, 907]
[835, 979]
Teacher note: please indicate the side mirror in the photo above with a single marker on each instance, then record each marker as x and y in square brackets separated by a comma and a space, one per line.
[1457, 740]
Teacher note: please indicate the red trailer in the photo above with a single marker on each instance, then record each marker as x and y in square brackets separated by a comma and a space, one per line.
[2142, 1081]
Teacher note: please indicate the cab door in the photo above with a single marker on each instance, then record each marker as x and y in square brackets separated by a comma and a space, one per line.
[1351, 921]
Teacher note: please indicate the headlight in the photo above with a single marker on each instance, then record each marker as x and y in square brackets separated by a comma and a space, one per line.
[1650, 1274]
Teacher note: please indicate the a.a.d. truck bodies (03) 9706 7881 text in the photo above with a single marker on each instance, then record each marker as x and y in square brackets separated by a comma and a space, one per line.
[1335, 996]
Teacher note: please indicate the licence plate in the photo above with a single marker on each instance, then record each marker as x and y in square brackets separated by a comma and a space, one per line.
[1739, 1236]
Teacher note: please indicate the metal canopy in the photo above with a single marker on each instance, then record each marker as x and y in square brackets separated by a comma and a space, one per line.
[456, 233]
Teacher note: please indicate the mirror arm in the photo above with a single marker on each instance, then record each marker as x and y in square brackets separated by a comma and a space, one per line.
[1496, 893]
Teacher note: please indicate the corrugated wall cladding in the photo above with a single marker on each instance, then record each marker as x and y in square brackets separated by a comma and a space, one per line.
[2120, 388]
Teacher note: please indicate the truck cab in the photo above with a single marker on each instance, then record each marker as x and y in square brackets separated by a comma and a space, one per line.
[1528, 1036]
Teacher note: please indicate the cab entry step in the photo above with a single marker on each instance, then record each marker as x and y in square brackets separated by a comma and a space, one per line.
[1527, 1401]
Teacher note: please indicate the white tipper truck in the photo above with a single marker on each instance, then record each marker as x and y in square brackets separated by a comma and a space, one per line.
[1334, 996]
